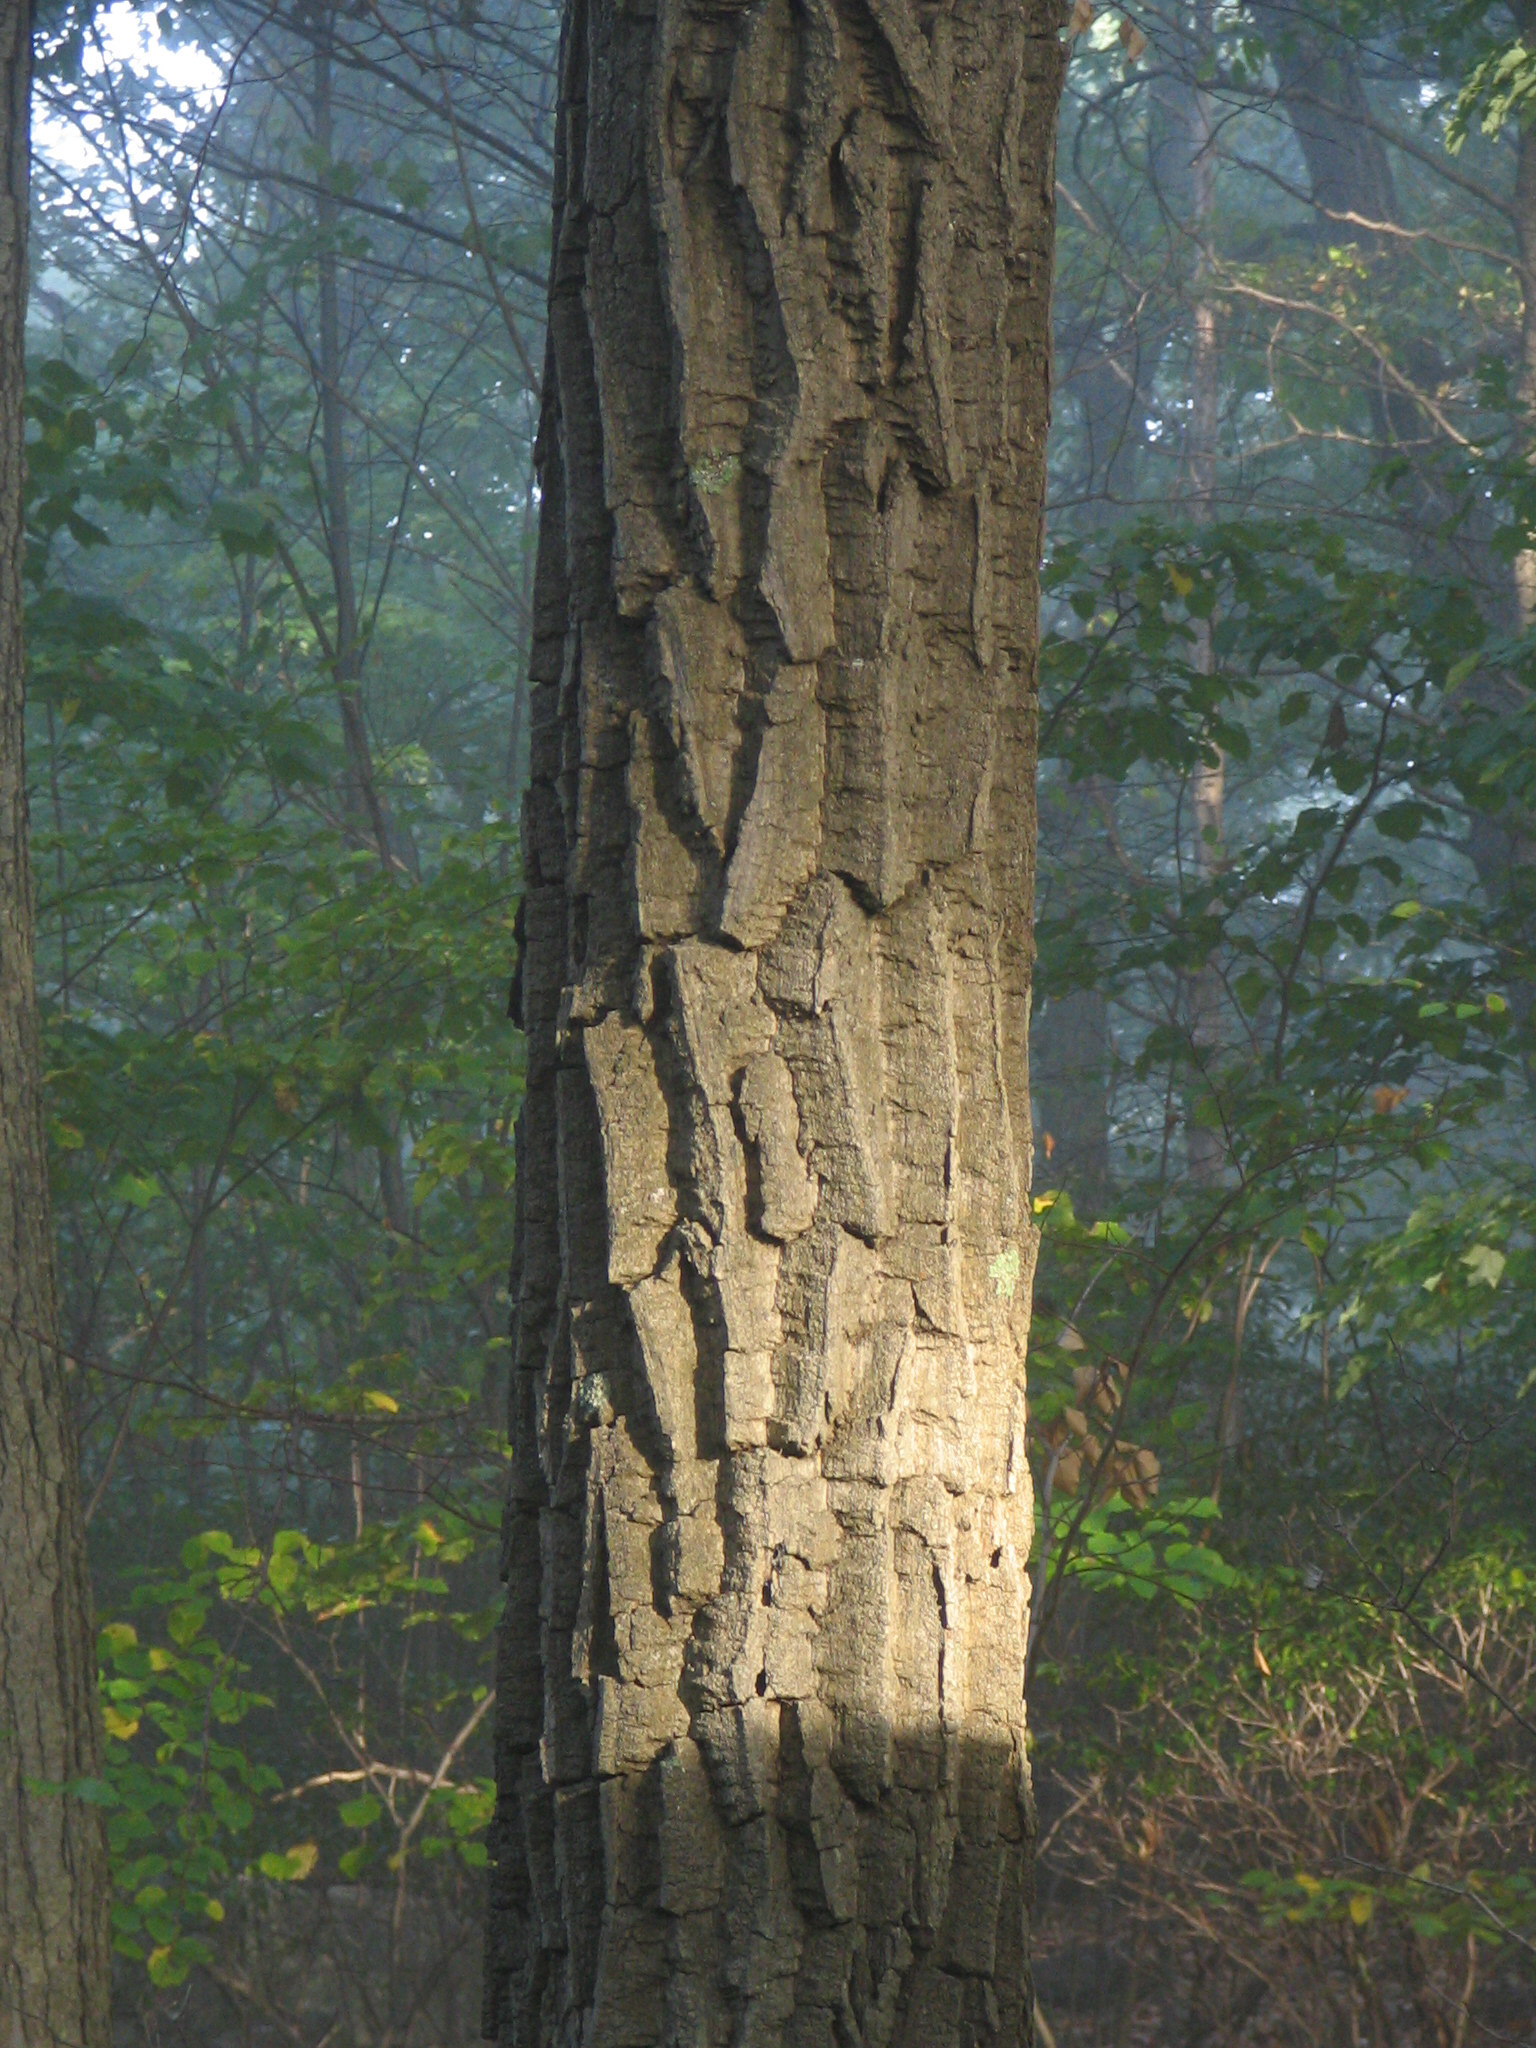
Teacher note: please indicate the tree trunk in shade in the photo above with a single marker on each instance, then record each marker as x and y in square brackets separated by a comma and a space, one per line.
[761, 1745]
[1317, 72]
[1204, 991]
[1071, 1050]
[54, 1953]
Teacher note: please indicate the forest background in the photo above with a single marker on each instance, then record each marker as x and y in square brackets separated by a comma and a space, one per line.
[286, 336]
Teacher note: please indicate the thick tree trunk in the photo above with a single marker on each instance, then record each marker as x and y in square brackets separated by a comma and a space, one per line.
[1317, 71]
[761, 1729]
[54, 1954]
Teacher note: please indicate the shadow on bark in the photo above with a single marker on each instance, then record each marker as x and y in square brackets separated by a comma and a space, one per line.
[792, 1876]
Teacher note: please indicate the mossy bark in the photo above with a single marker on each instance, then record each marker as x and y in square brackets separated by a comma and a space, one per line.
[761, 1739]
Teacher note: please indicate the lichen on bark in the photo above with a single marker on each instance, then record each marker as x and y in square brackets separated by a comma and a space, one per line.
[761, 1737]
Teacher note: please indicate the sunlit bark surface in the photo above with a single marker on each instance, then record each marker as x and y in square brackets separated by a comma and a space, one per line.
[761, 1742]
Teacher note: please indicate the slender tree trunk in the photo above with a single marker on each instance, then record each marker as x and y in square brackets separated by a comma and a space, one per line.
[1208, 787]
[761, 1732]
[1525, 380]
[54, 1954]
[1351, 182]
[364, 807]
[1502, 845]
[366, 814]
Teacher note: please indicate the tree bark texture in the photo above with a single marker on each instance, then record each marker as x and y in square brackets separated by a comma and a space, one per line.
[54, 1953]
[761, 1741]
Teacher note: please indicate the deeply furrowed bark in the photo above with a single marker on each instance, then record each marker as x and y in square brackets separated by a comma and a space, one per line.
[761, 1729]
[54, 1956]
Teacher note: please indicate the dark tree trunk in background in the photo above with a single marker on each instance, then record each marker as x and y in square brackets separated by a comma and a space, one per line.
[1503, 847]
[761, 1731]
[54, 1954]
[1207, 793]
[1318, 73]
[1071, 1050]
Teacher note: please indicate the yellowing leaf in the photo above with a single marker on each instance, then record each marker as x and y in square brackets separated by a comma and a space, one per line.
[1181, 582]
[386, 1404]
[1361, 1906]
[122, 1727]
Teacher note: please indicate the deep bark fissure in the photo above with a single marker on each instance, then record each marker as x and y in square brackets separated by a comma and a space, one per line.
[760, 1720]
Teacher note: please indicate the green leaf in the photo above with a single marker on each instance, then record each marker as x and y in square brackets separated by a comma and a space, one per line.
[407, 184]
[185, 1621]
